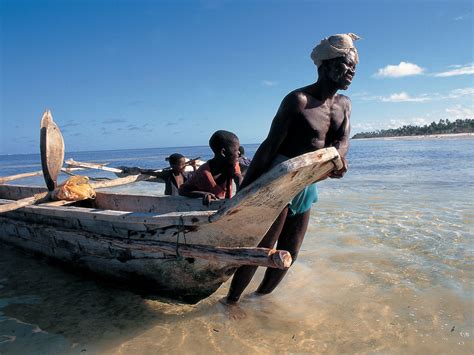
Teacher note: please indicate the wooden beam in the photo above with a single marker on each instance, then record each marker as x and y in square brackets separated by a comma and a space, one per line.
[38, 198]
[280, 259]
[71, 162]
[121, 181]
[5, 179]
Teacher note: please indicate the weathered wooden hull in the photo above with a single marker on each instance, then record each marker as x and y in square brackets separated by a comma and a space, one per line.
[184, 279]
[116, 236]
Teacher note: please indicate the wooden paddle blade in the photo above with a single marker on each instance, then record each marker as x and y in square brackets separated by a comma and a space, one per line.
[52, 150]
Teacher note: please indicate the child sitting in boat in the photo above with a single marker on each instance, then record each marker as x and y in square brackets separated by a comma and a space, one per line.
[174, 176]
[213, 180]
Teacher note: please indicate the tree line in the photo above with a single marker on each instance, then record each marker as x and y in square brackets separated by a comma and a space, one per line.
[442, 127]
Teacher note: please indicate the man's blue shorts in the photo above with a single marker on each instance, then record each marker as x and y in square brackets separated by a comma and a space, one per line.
[303, 201]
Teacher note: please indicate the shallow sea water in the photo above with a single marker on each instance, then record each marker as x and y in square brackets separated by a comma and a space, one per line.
[386, 267]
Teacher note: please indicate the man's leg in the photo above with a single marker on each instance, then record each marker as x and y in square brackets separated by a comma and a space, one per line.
[291, 238]
[244, 274]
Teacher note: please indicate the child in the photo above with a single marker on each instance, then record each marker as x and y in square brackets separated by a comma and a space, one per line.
[213, 180]
[174, 176]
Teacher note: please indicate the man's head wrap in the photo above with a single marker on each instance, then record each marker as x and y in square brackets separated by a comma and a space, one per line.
[334, 46]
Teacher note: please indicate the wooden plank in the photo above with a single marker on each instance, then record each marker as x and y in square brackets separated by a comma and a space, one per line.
[150, 219]
[122, 202]
[152, 204]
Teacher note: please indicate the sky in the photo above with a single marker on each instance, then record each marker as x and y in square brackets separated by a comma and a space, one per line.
[148, 74]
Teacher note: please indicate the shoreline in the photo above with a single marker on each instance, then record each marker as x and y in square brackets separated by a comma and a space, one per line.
[427, 136]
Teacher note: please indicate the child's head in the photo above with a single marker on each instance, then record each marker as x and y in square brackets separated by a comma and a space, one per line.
[177, 162]
[241, 151]
[225, 146]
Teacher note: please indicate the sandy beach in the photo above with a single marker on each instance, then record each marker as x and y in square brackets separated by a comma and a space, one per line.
[429, 136]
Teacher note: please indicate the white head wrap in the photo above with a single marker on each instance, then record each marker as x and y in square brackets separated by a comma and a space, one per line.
[334, 46]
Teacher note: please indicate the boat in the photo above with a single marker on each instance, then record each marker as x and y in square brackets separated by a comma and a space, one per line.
[167, 245]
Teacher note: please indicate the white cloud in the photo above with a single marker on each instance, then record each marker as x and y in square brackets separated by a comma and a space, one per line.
[458, 93]
[389, 124]
[404, 97]
[467, 69]
[269, 83]
[413, 121]
[459, 112]
[400, 70]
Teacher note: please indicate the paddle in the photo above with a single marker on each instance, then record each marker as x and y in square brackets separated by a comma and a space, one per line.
[52, 150]
[52, 156]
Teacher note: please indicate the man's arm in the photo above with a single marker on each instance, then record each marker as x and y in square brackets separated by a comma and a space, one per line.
[341, 141]
[267, 151]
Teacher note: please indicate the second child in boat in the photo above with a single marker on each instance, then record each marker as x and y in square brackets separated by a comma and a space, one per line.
[244, 162]
[174, 176]
[213, 180]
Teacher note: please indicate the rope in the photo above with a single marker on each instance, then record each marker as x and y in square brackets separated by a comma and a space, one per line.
[181, 229]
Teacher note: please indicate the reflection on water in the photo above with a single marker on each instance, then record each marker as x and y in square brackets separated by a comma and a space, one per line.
[386, 267]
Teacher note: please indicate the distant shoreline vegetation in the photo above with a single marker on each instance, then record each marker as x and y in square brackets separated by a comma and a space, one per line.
[442, 127]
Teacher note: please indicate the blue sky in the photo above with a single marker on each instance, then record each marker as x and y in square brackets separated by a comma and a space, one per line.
[143, 74]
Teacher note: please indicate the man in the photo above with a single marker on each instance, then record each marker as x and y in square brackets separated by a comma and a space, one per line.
[309, 118]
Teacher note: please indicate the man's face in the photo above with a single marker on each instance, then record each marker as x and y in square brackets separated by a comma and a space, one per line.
[342, 70]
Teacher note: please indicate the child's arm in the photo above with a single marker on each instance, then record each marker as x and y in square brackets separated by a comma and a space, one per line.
[207, 197]
[238, 178]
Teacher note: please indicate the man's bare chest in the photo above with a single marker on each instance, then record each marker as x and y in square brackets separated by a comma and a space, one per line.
[323, 118]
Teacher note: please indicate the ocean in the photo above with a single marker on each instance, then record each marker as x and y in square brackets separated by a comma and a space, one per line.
[386, 268]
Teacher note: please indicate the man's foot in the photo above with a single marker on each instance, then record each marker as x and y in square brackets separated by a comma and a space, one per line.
[233, 309]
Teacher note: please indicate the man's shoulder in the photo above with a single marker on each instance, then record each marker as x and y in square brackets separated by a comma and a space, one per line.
[296, 98]
[343, 100]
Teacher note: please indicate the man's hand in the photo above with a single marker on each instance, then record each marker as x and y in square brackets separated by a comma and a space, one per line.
[337, 174]
[206, 200]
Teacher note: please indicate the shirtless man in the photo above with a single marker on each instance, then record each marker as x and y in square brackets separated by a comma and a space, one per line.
[309, 118]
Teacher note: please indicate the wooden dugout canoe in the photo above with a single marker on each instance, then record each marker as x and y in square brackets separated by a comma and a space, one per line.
[172, 246]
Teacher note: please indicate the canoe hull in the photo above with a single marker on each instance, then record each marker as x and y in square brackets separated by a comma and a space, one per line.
[185, 279]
